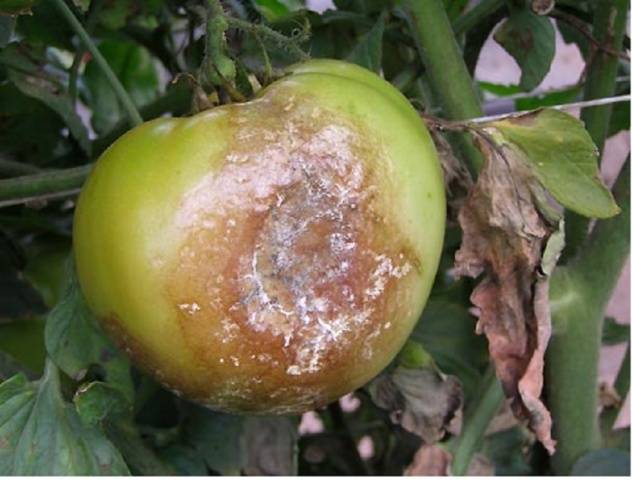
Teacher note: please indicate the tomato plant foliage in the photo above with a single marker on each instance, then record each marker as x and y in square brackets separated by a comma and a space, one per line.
[469, 392]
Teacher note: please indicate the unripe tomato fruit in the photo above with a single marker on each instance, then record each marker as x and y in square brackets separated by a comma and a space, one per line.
[268, 256]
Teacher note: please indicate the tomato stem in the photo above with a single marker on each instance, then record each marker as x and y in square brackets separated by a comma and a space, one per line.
[579, 294]
[116, 85]
[440, 54]
[476, 421]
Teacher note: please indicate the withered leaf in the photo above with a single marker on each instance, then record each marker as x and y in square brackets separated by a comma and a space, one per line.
[430, 460]
[504, 237]
[456, 178]
[422, 400]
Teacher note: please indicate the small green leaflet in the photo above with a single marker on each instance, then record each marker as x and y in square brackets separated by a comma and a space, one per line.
[41, 434]
[563, 157]
[530, 40]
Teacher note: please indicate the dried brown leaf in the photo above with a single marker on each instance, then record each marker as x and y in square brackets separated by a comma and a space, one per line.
[504, 236]
[430, 460]
[456, 178]
[423, 401]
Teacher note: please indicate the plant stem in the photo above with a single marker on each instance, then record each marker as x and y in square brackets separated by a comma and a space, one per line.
[95, 8]
[43, 183]
[608, 30]
[266, 33]
[116, 85]
[11, 167]
[579, 294]
[442, 59]
[476, 422]
[472, 17]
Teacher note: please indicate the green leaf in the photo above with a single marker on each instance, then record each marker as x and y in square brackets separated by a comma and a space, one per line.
[447, 331]
[103, 405]
[24, 341]
[10, 367]
[549, 99]
[232, 444]
[507, 450]
[530, 40]
[134, 67]
[30, 130]
[603, 462]
[17, 297]
[33, 80]
[368, 51]
[46, 27]
[41, 434]
[74, 341]
[274, 10]
[454, 8]
[98, 401]
[563, 157]
[614, 333]
[499, 89]
[140, 458]
[185, 460]
[115, 14]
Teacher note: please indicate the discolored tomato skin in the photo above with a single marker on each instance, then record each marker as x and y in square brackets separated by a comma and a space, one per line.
[269, 256]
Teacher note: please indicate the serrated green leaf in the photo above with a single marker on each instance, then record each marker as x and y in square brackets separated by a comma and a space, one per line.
[74, 341]
[41, 434]
[530, 40]
[603, 462]
[563, 157]
[368, 51]
[134, 67]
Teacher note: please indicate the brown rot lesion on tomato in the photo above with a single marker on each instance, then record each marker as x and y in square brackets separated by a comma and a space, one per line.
[287, 270]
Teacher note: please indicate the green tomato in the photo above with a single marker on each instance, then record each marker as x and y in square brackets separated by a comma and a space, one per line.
[269, 256]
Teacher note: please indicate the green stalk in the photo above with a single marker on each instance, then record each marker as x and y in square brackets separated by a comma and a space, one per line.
[440, 54]
[9, 168]
[473, 17]
[43, 183]
[579, 295]
[608, 29]
[476, 421]
[116, 85]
